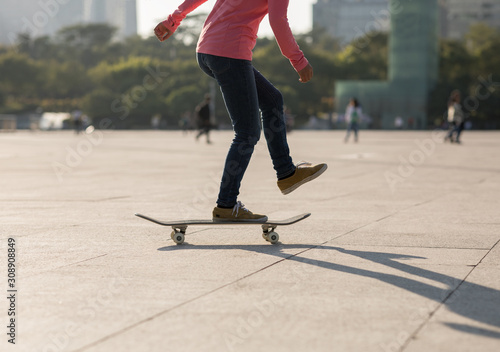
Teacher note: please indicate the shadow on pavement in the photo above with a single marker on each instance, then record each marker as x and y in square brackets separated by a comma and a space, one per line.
[476, 302]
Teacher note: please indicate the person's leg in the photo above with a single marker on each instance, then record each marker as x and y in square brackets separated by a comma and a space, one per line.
[207, 132]
[273, 119]
[450, 132]
[290, 177]
[200, 133]
[237, 84]
[355, 128]
[459, 132]
[348, 133]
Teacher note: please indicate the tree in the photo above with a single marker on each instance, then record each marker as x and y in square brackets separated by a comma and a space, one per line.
[65, 80]
[480, 37]
[85, 43]
[365, 58]
[20, 75]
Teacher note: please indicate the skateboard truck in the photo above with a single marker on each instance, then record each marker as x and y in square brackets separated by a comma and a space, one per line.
[268, 233]
[178, 233]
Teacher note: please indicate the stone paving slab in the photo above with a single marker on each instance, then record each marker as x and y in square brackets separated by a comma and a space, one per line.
[401, 252]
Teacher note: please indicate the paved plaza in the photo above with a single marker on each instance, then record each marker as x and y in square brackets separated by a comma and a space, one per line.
[401, 252]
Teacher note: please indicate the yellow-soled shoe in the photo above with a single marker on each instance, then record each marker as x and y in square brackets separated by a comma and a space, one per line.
[304, 172]
[237, 213]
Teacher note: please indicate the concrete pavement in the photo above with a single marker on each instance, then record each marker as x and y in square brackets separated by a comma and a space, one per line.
[401, 252]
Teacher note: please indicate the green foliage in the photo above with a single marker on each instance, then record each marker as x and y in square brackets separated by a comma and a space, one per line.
[365, 58]
[20, 74]
[480, 38]
[65, 80]
[183, 99]
[473, 67]
[97, 103]
[84, 37]
[128, 82]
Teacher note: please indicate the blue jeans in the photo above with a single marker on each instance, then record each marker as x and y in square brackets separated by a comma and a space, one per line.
[245, 91]
[353, 126]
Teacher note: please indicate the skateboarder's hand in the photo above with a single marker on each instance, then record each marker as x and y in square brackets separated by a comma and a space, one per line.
[306, 74]
[162, 32]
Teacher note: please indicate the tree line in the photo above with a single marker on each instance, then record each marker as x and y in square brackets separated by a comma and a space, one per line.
[83, 68]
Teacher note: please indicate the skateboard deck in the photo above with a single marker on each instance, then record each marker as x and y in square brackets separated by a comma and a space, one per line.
[179, 227]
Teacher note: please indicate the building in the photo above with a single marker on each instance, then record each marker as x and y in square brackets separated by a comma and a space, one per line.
[121, 14]
[413, 68]
[349, 19]
[45, 18]
[460, 14]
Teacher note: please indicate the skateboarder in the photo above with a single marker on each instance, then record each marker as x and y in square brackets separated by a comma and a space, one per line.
[224, 52]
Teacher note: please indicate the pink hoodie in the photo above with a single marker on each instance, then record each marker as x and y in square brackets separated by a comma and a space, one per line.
[231, 28]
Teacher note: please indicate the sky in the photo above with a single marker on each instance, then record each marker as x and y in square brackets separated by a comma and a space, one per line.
[150, 12]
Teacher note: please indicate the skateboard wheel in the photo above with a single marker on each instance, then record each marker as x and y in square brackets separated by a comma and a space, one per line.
[273, 237]
[172, 235]
[264, 236]
[178, 237]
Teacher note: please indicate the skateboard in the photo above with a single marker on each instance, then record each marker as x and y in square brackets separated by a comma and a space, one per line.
[179, 227]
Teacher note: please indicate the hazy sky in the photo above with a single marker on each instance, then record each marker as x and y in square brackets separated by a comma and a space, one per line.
[150, 12]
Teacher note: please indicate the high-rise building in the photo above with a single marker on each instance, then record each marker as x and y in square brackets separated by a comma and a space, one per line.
[121, 14]
[349, 19]
[37, 18]
[413, 68]
[45, 18]
[95, 11]
[460, 14]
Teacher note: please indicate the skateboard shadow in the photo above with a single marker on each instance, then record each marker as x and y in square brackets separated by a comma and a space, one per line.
[473, 301]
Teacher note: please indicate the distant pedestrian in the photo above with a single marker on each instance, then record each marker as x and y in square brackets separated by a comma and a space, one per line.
[185, 122]
[398, 123]
[77, 121]
[456, 119]
[203, 118]
[155, 122]
[353, 114]
[410, 123]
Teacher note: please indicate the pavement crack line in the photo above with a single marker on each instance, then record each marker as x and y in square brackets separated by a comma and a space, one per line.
[443, 302]
[154, 316]
[66, 265]
[387, 216]
[166, 311]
